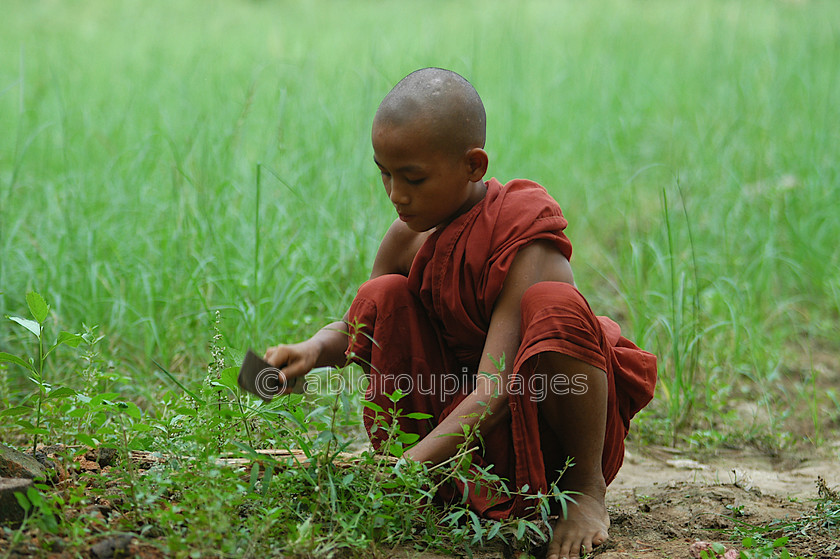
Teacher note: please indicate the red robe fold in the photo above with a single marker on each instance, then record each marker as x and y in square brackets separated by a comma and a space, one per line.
[430, 329]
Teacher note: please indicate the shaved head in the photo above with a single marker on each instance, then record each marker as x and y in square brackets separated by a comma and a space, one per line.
[443, 103]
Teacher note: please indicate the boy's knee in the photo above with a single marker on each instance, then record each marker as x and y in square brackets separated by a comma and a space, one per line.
[556, 318]
[377, 300]
[382, 298]
[553, 297]
[384, 288]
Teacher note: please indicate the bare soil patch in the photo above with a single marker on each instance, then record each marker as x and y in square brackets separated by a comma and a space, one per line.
[662, 501]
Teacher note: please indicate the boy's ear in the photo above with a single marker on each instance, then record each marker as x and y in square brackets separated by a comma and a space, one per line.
[477, 161]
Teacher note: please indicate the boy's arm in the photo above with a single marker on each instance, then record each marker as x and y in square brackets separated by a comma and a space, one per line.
[539, 261]
[397, 251]
[326, 348]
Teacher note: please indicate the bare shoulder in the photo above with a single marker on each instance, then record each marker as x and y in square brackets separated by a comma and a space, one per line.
[397, 250]
[539, 261]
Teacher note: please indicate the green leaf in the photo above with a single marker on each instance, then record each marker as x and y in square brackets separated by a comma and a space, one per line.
[36, 431]
[30, 325]
[250, 452]
[255, 476]
[293, 417]
[62, 392]
[408, 438]
[325, 437]
[373, 406]
[396, 396]
[17, 410]
[9, 358]
[520, 529]
[534, 528]
[780, 541]
[37, 306]
[34, 497]
[86, 440]
[69, 338]
[476, 524]
[266, 480]
[131, 410]
[228, 379]
[418, 415]
[23, 501]
[100, 398]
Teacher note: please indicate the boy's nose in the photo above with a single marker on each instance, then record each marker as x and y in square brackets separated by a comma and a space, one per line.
[398, 195]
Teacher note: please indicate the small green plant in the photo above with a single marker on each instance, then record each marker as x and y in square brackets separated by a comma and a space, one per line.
[826, 516]
[764, 542]
[736, 510]
[96, 373]
[682, 325]
[40, 511]
[35, 365]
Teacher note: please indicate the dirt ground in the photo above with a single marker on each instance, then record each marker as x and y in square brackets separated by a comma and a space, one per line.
[662, 502]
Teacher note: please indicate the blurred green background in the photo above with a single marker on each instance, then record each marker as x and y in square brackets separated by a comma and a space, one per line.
[693, 146]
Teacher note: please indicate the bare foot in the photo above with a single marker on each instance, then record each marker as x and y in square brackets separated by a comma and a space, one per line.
[586, 526]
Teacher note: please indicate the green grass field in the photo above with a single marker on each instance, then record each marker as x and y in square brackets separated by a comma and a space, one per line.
[160, 161]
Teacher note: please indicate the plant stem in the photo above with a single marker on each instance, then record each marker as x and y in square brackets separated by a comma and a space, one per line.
[244, 419]
[41, 359]
[674, 403]
[129, 465]
[255, 286]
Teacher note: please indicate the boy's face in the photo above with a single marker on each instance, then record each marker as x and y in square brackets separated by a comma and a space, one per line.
[427, 186]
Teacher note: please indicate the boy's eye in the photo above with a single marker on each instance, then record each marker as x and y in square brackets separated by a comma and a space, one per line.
[414, 182]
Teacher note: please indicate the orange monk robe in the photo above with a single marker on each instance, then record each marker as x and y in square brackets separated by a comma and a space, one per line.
[429, 331]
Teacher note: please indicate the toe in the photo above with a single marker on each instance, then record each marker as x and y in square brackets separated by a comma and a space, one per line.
[566, 552]
[600, 538]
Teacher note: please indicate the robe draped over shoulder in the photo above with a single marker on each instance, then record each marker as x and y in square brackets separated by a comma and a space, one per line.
[425, 335]
[460, 270]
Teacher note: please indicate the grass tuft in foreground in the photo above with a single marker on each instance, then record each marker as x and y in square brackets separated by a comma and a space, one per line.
[207, 489]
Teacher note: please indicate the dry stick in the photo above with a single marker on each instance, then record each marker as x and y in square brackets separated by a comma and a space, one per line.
[279, 457]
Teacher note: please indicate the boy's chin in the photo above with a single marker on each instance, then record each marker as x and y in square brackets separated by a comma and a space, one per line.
[426, 228]
[419, 227]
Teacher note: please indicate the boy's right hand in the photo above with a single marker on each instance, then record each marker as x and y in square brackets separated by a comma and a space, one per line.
[293, 360]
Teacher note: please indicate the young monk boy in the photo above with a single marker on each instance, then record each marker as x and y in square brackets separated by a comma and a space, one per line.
[471, 272]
